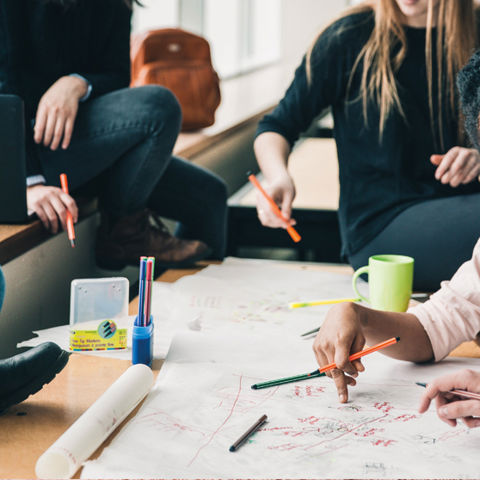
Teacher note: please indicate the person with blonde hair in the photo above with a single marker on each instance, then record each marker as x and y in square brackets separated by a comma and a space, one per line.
[408, 179]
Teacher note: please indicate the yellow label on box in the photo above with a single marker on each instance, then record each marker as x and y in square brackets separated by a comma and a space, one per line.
[105, 337]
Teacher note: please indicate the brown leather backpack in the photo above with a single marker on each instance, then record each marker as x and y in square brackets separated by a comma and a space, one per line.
[181, 62]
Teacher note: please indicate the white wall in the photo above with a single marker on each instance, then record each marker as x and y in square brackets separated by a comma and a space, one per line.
[156, 14]
[301, 22]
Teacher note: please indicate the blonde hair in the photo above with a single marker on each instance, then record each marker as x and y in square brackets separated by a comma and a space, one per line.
[455, 21]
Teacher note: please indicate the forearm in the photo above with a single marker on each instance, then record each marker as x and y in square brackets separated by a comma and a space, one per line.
[414, 345]
[272, 151]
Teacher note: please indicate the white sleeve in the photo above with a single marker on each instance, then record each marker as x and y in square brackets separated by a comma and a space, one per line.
[452, 315]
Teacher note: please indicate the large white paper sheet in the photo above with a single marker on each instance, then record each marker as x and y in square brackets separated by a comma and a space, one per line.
[254, 295]
[203, 402]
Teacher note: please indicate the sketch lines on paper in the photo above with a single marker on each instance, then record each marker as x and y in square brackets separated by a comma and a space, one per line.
[315, 422]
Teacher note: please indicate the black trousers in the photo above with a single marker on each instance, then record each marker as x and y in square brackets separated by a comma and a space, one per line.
[439, 234]
[121, 150]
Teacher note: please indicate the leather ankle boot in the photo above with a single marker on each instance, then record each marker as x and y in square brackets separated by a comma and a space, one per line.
[143, 234]
[25, 374]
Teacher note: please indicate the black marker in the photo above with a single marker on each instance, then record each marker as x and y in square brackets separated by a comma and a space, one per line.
[248, 433]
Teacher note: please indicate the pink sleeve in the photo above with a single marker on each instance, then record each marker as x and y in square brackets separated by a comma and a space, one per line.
[452, 315]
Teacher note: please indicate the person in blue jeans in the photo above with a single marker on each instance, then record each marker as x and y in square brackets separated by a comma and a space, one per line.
[26, 373]
[69, 60]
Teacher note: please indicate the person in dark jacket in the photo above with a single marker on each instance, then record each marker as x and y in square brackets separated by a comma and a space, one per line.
[70, 62]
[408, 177]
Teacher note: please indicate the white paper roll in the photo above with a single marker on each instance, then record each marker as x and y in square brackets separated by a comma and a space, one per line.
[68, 453]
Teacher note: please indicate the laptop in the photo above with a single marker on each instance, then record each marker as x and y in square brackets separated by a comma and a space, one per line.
[13, 190]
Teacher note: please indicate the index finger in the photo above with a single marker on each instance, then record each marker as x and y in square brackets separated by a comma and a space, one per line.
[266, 214]
[442, 385]
[341, 384]
[71, 205]
[445, 163]
[40, 122]
[436, 159]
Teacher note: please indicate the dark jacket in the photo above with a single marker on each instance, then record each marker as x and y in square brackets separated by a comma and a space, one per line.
[42, 41]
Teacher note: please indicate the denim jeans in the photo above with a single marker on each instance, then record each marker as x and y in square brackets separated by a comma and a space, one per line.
[2, 288]
[439, 234]
[121, 150]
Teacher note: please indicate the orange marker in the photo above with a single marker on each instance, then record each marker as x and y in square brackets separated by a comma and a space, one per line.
[362, 353]
[70, 230]
[291, 231]
[320, 372]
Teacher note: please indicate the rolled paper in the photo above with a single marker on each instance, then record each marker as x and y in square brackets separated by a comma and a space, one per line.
[76, 445]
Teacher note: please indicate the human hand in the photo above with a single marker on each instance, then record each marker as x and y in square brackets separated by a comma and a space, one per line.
[57, 111]
[282, 191]
[458, 166]
[340, 336]
[450, 407]
[51, 205]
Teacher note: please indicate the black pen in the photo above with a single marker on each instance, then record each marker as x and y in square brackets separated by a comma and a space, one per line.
[248, 433]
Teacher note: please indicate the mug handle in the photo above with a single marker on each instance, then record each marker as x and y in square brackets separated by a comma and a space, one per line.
[357, 273]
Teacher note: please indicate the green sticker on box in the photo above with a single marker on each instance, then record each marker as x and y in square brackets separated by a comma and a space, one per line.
[106, 337]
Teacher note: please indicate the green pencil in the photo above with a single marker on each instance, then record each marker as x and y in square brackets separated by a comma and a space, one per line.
[281, 381]
[321, 371]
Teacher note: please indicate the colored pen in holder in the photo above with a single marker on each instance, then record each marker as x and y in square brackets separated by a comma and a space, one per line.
[142, 336]
[142, 343]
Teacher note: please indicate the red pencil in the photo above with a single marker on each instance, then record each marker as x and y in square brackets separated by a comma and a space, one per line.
[148, 292]
[70, 229]
[291, 231]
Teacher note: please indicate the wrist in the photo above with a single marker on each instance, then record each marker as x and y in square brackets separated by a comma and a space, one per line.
[359, 313]
[279, 176]
[79, 86]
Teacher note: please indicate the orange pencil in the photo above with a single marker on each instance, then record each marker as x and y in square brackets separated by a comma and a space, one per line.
[320, 372]
[70, 229]
[291, 231]
[362, 353]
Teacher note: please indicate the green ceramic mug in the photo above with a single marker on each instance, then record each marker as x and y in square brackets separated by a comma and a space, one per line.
[390, 280]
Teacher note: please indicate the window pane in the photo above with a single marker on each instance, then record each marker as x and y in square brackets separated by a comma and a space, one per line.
[223, 31]
[155, 14]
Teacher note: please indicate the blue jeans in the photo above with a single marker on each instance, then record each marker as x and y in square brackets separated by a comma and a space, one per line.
[439, 234]
[2, 288]
[121, 150]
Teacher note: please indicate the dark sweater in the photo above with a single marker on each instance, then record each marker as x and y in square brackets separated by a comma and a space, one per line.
[41, 42]
[378, 179]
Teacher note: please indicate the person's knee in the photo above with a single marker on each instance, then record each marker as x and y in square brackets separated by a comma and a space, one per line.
[160, 105]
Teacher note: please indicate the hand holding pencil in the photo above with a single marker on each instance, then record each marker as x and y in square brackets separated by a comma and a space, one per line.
[457, 397]
[275, 206]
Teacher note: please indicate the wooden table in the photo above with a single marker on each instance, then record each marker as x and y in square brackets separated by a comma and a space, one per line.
[28, 429]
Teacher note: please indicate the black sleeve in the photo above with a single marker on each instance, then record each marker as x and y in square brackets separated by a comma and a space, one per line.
[112, 65]
[330, 69]
[11, 51]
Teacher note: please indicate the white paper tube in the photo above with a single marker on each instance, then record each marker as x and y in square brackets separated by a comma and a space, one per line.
[68, 453]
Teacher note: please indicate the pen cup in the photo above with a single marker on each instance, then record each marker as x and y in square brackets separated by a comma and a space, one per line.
[142, 343]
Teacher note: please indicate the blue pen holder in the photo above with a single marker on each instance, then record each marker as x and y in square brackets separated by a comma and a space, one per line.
[142, 343]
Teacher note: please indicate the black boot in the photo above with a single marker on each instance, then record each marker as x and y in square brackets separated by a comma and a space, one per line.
[26, 373]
